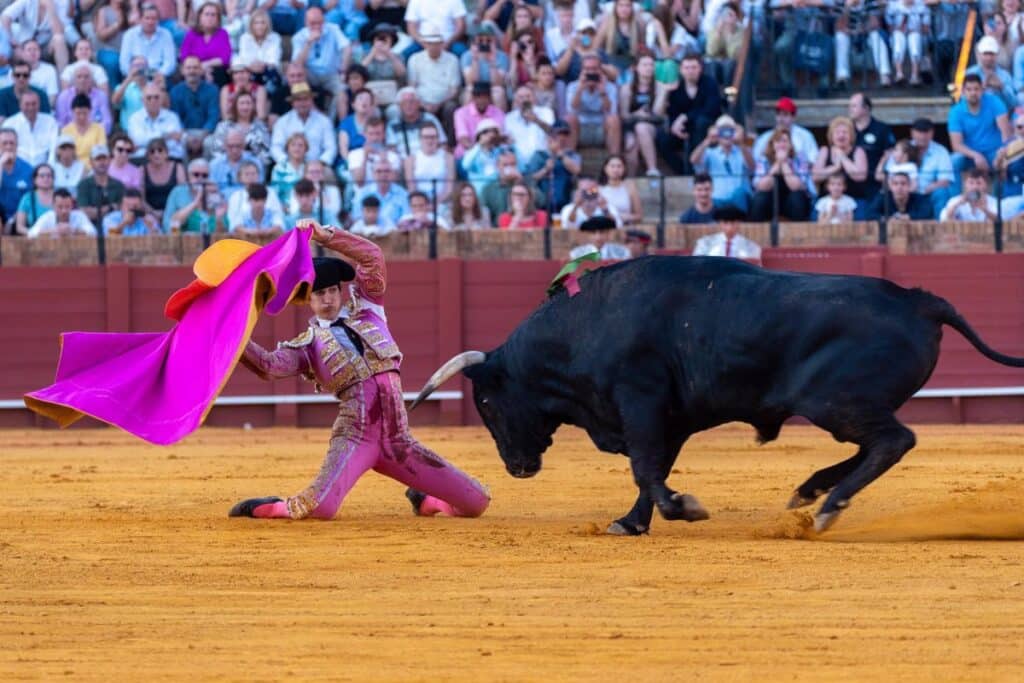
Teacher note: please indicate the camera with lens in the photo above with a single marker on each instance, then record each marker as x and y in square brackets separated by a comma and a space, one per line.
[727, 132]
[973, 196]
[593, 78]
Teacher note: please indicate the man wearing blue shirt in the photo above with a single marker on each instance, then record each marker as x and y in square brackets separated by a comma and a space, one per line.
[151, 41]
[935, 172]
[323, 49]
[224, 168]
[978, 125]
[729, 164]
[15, 173]
[394, 200]
[197, 103]
[132, 219]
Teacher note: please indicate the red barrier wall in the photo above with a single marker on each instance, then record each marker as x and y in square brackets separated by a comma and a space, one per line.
[438, 308]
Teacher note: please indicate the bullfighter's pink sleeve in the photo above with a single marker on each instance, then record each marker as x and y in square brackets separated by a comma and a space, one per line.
[284, 362]
[371, 273]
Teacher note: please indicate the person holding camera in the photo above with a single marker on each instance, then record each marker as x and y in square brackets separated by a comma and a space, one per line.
[131, 219]
[528, 125]
[592, 108]
[587, 204]
[975, 203]
[724, 156]
[485, 62]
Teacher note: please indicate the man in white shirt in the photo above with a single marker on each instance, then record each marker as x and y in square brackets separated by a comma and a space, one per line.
[37, 132]
[558, 37]
[436, 76]
[785, 118]
[151, 41]
[447, 17]
[153, 121]
[528, 126]
[975, 203]
[44, 75]
[729, 242]
[360, 161]
[304, 118]
[37, 20]
[62, 219]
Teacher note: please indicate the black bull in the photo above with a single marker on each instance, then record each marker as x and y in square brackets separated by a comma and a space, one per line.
[654, 350]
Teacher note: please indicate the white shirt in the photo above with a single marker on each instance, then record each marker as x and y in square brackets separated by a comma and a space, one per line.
[610, 251]
[27, 19]
[268, 52]
[238, 206]
[715, 245]
[434, 79]
[142, 128]
[381, 228]
[966, 211]
[844, 211]
[47, 224]
[99, 75]
[67, 177]
[34, 141]
[323, 144]
[803, 142]
[528, 137]
[357, 159]
[580, 216]
[44, 77]
[441, 13]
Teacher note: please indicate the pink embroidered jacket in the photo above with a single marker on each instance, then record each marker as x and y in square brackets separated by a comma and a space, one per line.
[322, 354]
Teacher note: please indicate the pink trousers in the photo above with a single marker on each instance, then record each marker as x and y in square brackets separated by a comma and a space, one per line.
[372, 432]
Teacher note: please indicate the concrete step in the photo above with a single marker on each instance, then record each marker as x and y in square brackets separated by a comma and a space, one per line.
[896, 111]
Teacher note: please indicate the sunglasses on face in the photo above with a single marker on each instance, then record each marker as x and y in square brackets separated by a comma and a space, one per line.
[18, 74]
[200, 174]
[126, 150]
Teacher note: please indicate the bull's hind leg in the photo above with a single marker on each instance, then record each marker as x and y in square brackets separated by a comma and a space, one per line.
[882, 447]
[823, 481]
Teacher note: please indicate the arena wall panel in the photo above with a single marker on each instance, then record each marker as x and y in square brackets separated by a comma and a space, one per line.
[439, 308]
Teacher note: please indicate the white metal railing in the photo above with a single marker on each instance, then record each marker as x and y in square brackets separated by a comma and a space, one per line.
[271, 399]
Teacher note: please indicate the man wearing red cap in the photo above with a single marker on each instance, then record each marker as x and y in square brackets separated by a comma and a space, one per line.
[785, 117]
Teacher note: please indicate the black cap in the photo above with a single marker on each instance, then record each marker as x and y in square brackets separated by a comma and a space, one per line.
[638, 236]
[482, 88]
[598, 223]
[331, 271]
[386, 29]
[728, 212]
[924, 125]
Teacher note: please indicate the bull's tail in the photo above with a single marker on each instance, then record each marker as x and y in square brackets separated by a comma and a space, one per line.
[943, 312]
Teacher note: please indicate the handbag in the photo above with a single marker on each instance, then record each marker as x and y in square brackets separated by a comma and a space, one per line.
[813, 52]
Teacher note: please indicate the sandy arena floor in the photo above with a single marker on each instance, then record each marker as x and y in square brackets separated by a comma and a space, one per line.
[117, 561]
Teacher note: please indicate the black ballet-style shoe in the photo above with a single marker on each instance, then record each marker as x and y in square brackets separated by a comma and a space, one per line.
[416, 498]
[245, 508]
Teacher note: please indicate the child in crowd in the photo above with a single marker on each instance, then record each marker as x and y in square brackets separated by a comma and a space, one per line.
[372, 224]
[836, 206]
[900, 159]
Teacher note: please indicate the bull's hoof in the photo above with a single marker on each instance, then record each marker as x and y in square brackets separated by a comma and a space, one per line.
[621, 527]
[824, 520]
[685, 507]
[798, 501]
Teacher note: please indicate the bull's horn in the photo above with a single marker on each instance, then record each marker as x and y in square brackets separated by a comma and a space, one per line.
[447, 371]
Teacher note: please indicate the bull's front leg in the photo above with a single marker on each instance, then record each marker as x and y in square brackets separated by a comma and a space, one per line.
[651, 461]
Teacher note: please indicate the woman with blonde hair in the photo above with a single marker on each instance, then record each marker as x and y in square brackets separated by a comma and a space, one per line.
[259, 48]
[292, 169]
[784, 175]
[841, 156]
[621, 34]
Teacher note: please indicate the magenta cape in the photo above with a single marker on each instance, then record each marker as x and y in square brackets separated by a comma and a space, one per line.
[160, 386]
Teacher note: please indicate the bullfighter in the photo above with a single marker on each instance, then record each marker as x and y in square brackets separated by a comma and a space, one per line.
[349, 351]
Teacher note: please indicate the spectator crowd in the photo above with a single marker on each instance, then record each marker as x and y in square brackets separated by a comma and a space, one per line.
[246, 116]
